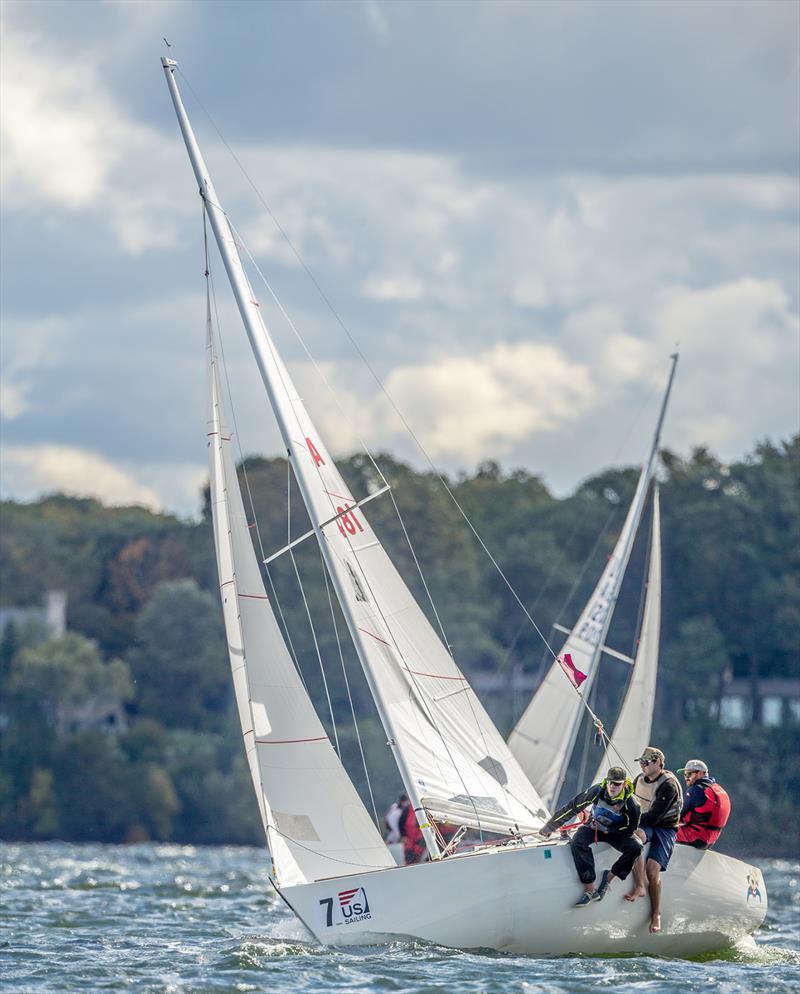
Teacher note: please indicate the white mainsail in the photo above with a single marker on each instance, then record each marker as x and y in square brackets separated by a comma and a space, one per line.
[454, 763]
[544, 737]
[632, 730]
[316, 824]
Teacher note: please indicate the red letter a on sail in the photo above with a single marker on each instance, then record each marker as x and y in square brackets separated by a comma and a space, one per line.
[318, 460]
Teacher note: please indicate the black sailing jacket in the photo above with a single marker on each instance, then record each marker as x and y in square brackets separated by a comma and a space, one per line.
[630, 809]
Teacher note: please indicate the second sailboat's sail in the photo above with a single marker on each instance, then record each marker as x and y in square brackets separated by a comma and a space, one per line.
[543, 738]
[632, 730]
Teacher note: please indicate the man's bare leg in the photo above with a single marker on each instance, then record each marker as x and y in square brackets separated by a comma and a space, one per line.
[639, 888]
[654, 889]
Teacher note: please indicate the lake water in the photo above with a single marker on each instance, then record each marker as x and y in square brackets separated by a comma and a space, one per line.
[184, 920]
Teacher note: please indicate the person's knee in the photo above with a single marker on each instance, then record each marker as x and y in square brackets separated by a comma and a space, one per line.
[653, 870]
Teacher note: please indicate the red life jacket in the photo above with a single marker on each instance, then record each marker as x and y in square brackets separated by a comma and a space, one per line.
[705, 822]
[413, 839]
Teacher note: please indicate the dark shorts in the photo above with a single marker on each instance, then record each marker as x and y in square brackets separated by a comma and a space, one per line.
[662, 842]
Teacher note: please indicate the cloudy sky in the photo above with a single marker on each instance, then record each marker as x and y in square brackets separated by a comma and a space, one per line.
[516, 209]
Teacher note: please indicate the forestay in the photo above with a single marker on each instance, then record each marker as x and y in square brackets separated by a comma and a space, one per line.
[544, 736]
[315, 822]
[632, 730]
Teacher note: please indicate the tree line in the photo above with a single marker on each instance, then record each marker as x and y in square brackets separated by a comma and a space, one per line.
[124, 729]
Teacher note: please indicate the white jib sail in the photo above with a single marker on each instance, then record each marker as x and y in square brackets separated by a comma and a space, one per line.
[451, 757]
[543, 738]
[315, 822]
[462, 770]
[632, 730]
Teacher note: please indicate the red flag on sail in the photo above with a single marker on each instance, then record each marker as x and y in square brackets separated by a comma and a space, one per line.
[574, 675]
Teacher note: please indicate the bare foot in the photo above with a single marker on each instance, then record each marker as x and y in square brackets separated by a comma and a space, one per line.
[655, 924]
[636, 892]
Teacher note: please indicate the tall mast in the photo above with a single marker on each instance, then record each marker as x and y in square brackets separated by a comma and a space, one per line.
[276, 383]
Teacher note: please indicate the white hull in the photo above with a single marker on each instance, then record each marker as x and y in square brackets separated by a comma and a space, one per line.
[519, 900]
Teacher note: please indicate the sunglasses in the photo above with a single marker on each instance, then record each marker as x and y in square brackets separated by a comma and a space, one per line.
[646, 762]
[615, 783]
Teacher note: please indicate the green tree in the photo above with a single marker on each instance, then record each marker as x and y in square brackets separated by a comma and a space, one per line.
[69, 680]
[41, 806]
[179, 660]
[93, 786]
[693, 665]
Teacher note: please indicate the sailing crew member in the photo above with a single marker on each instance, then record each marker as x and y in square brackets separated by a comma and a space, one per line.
[613, 818]
[392, 819]
[706, 807]
[413, 840]
[658, 791]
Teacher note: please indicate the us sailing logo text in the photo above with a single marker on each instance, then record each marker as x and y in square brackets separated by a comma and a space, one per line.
[348, 907]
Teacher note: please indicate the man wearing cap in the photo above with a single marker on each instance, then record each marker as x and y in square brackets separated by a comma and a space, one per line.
[706, 807]
[659, 794]
[613, 818]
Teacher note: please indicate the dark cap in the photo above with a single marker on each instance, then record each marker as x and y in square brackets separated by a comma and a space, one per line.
[651, 753]
[617, 774]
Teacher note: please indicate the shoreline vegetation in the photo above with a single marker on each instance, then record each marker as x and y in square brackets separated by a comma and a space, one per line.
[122, 727]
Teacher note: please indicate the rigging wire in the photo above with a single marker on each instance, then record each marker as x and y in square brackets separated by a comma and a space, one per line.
[554, 572]
[349, 694]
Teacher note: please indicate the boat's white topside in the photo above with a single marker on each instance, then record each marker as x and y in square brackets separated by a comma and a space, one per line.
[519, 899]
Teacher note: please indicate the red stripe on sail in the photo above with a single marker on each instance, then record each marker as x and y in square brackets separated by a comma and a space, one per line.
[435, 676]
[283, 742]
[377, 639]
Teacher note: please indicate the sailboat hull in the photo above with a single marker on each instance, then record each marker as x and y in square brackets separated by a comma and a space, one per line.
[520, 901]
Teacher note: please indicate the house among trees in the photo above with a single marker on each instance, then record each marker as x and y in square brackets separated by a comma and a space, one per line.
[50, 620]
[773, 702]
[63, 670]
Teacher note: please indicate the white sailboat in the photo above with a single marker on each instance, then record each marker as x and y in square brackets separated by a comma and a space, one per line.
[328, 861]
[543, 738]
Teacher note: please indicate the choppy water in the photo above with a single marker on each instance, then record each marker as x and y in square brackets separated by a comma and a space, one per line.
[180, 920]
